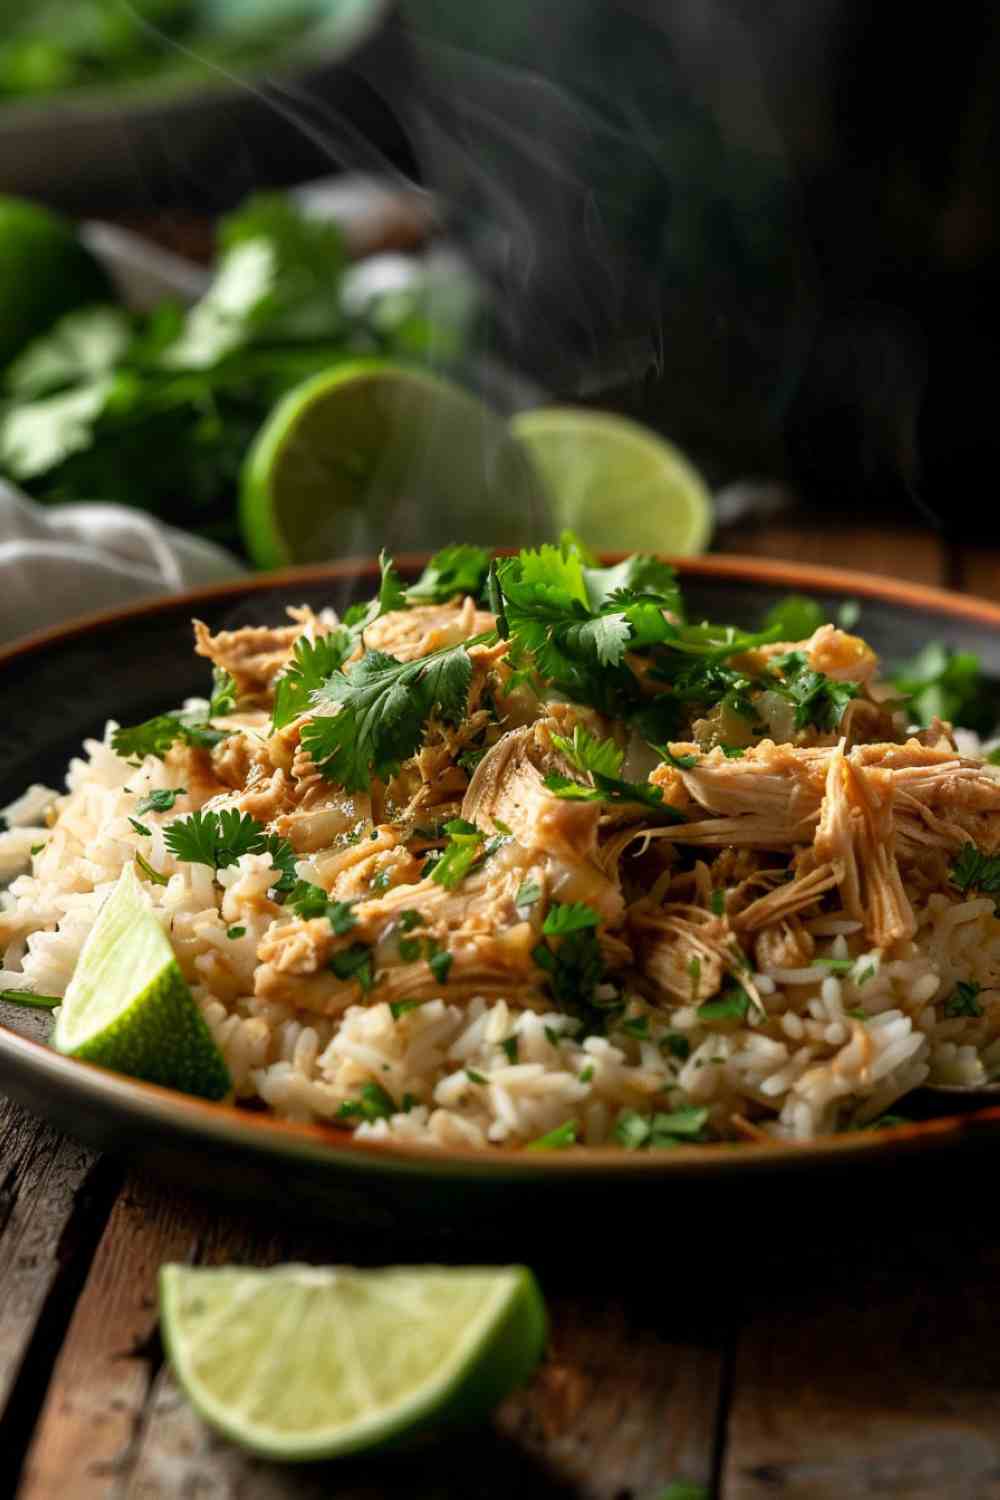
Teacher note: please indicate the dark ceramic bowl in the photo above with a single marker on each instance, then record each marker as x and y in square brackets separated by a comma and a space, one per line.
[60, 686]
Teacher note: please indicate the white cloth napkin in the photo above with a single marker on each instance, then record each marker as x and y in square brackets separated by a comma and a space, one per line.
[59, 561]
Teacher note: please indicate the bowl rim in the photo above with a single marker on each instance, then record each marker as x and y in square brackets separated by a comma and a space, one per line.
[234, 1125]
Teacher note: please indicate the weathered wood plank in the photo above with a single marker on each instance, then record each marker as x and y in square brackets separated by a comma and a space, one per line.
[897, 551]
[40, 1174]
[877, 1377]
[101, 1377]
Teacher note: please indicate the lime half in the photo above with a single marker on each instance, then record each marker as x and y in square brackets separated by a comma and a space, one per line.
[128, 1006]
[369, 455]
[305, 1362]
[618, 486]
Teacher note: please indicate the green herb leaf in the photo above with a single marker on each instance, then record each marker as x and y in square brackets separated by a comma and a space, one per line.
[161, 801]
[312, 663]
[373, 1104]
[528, 893]
[156, 735]
[224, 693]
[220, 839]
[354, 962]
[964, 1000]
[795, 617]
[946, 684]
[439, 962]
[149, 872]
[556, 1140]
[399, 1008]
[140, 828]
[382, 708]
[454, 570]
[464, 851]
[643, 1132]
[975, 871]
[409, 919]
[586, 753]
[29, 999]
[819, 700]
[563, 918]
[510, 1045]
[235, 932]
[732, 1005]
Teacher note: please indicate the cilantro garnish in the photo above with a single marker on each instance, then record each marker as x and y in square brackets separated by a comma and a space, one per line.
[732, 1005]
[141, 828]
[161, 801]
[964, 1000]
[946, 684]
[309, 901]
[155, 736]
[644, 1132]
[399, 1008]
[311, 664]
[409, 919]
[679, 762]
[835, 965]
[235, 932]
[439, 960]
[149, 872]
[733, 752]
[588, 753]
[717, 901]
[678, 1046]
[30, 999]
[467, 848]
[528, 893]
[567, 917]
[510, 1045]
[556, 1140]
[819, 700]
[602, 760]
[975, 871]
[796, 617]
[220, 839]
[382, 707]
[224, 694]
[475, 1077]
[586, 1074]
[354, 962]
[374, 1104]
[454, 570]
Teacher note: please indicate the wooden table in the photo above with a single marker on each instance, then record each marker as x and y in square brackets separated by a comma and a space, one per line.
[789, 1362]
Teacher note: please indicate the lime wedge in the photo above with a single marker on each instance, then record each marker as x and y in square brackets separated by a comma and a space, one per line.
[128, 1006]
[305, 1362]
[370, 455]
[618, 486]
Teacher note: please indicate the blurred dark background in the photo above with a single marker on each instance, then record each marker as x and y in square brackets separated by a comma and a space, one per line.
[768, 230]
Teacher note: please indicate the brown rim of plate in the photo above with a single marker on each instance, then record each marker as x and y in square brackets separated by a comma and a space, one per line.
[226, 1122]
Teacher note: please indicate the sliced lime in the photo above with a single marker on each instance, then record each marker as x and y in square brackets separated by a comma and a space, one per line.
[304, 1362]
[128, 1006]
[618, 486]
[370, 455]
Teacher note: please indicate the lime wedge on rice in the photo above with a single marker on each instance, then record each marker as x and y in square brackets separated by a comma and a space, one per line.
[307, 1362]
[618, 486]
[128, 1006]
[369, 455]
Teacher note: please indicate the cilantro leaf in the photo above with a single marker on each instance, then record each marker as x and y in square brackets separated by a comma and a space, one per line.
[354, 962]
[375, 1103]
[155, 736]
[220, 839]
[555, 1140]
[312, 663]
[818, 699]
[947, 684]
[608, 789]
[454, 570]
[309, 901]
[964, 1000]
[383, 705]
[795, 617]
[528, 892]
[162, 800]
[975, 871]
[574, 916]
[467, 847]
[732, 1005]
[638, 1132]
[587, 753]
[224, 694]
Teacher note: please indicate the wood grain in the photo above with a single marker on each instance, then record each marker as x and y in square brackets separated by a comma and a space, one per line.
[877, 1377]
[101, 1378]
[897, 551]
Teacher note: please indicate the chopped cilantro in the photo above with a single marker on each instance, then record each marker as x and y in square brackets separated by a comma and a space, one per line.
[373, 1104]
[463, 853]
[732, 1005]
[527, 894]
[587, 1073]
[139, 828]
[409, 949]
[439, 961]
[382, 880]
[382, 708]
[409, 919]
[717, 901]
[155, 736]
[556, 1140]
[475, 1077]
[964, 1000]
[354, 962]
[454, 570]
[733, 752]
[868, 972]
[510, 1045]
[835, 965]
[552, 1036]
[235, 932]
[678, 1046]
[224, 693]
[679, 762]
[161, 801]
[563, 918]
[399, 1008]
[975, 871]
[149, 872]
[37, 848]
[643, 1132]
[586, 753]
[637, 1026]
[220, 839]
[946, 684]
[858, 1014]
[29, 999]
[819, 700]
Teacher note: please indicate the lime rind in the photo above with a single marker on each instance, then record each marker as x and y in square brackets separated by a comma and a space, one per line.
[615, 483]
[481, 1331]
[129, 1008]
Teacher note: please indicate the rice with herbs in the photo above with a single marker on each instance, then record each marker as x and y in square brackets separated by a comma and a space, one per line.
[769, 939]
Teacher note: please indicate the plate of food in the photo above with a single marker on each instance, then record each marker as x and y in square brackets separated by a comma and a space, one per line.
[384, 885]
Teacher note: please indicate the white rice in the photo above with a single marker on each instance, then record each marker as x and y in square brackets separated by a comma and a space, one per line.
[833, 1051]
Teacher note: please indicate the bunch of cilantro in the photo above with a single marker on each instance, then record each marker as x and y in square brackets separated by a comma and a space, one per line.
[157, 411]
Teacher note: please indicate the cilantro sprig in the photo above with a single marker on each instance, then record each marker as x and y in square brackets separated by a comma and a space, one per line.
[220, 839]
[975, 871]
[454, 570]
[155, 736]
[466, 849]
